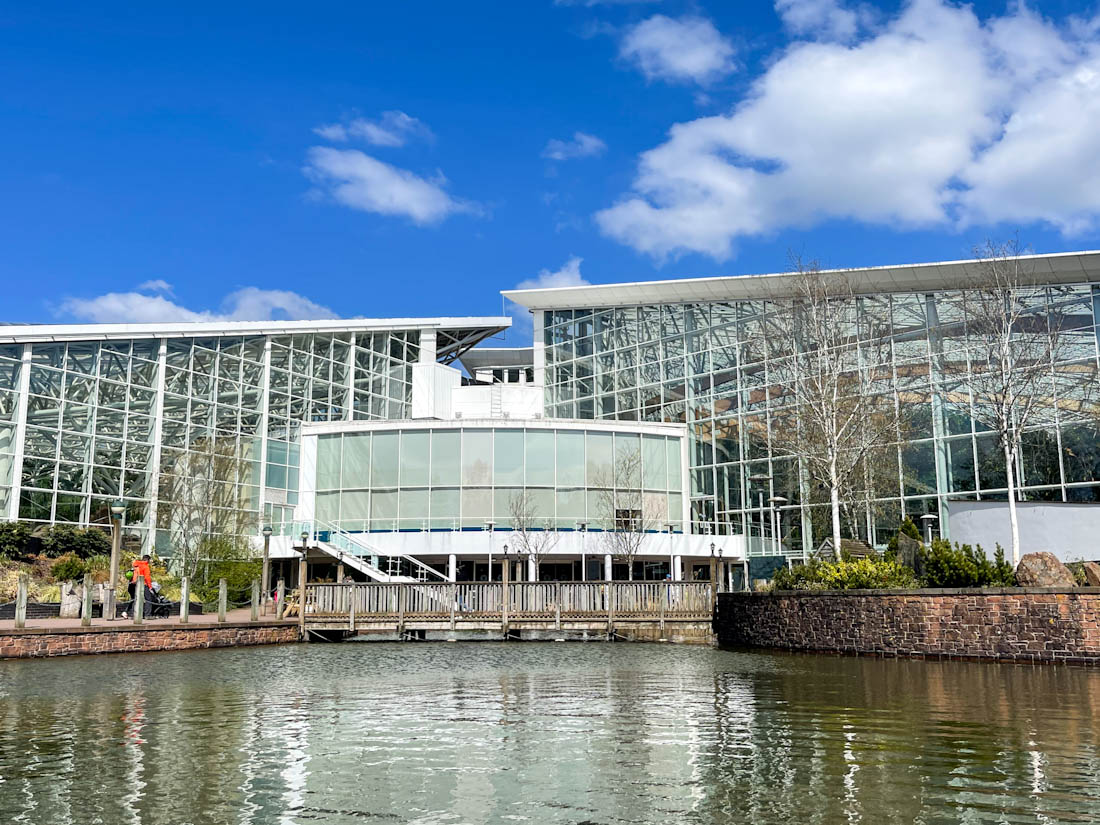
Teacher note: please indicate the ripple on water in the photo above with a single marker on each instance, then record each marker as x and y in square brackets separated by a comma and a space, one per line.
[546, 733]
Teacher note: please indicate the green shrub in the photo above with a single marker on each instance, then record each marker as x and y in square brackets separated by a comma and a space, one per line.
[947, 565]
[1077, 568]
[68, 568]
[61, 539]
[13, 539]
[868, 573]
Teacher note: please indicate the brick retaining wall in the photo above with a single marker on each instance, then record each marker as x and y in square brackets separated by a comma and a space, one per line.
[41, 642]
[1013, 624]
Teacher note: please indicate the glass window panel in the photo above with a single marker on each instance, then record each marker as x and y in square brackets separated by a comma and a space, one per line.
[571, 508]
[508, 457]
[960, 463]
[444, 507]
[383, 507]
[354, 508]
[414, 509]
[328, 507]
[276, 476]
[477, 458]
[598, 459]
[539, 446]
[628, 460]
[69, 507]
[503, 498]
[477, 507]
[328, 462]
[570, 458]
[356, 460]
[919, 468]
[654, 463]
[415, 445]
[384, 457]
[675, 482]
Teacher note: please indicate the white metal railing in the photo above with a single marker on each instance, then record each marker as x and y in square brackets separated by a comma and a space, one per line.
[356, 545]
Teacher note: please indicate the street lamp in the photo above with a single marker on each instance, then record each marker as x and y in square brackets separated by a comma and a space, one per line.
[583, 527]
[118, 510]
[506, 570]
[266, 573]
[671, 557]
[488, 526]
[777, 522]
[928, 519]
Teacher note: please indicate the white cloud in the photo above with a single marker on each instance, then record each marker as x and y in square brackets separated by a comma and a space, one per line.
[826, 19]
[246, 304]
[156, 285]
[581, 146]
[392, 129]
[568, 275]
[935, 119]
[361, 182]
[689, 49]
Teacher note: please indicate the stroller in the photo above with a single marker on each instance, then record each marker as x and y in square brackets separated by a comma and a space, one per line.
[155, 605]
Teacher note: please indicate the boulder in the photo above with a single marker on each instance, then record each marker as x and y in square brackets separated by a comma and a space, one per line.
[908, 550]
[72, 594]
[1043, 570]
[1092, 573]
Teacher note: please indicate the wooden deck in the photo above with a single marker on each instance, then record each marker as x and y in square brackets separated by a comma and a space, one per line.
[504, 607]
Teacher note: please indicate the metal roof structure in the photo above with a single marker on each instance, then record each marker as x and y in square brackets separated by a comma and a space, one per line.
[453, 335]
[486, 358]
[1063, 267]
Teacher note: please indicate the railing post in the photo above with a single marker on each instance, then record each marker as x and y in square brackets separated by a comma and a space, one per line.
[666, 595]
[280, 597]
[222, 598]
[454, 601]
[185, 599]
[557, 605]
[505, 595]
[255, 615]
[351, 607]
[139, 602]
[401, 610]
[86, 601]
[610, 609]
[21, 601]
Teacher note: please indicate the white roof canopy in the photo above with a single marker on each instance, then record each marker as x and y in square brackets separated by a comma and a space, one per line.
[1064, 267]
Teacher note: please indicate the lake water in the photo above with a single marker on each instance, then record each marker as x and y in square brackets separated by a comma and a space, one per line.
[543, 733]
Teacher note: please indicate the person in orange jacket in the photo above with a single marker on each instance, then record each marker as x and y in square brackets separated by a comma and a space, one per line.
[141, 571]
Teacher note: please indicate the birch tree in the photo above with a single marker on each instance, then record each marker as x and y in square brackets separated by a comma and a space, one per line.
[834, 405]
[533, 535]
[1012, 335]
[626, 514]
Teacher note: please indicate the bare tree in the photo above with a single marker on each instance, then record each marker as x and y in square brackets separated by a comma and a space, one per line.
[1013, 335]
[626, 514]
[203, 503]
[835, 406]
[532, 535]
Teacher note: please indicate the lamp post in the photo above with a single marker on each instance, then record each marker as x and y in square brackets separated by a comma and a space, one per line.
[265, 574]
[777, 522]
[760, 479]
[671, 555]
[583, 527]
[928, 519]
[489, 527]
[118, 510]
[506, 567]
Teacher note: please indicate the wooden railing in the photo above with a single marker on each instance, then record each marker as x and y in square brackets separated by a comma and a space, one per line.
[515, 602]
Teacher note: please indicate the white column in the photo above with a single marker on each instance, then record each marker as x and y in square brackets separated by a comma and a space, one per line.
[530, 569]
[607, 566]
[678, 568]
[452, 567]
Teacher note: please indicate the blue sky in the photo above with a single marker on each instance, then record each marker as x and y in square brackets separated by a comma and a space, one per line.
[403, 159]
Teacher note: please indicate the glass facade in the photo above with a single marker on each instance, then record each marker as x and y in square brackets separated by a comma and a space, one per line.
[457, 478]
[85, 422]
[708, 365]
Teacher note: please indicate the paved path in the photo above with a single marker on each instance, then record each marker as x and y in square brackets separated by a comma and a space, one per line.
[240, 615]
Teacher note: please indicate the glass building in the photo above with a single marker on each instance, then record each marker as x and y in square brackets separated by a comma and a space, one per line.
[697, 352]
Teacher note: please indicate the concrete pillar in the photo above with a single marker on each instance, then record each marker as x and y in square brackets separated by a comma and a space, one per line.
[677, 568]
[607, 566]
[452, 567]
[531, 572]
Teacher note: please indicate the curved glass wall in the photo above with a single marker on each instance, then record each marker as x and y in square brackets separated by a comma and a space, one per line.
[455, 478]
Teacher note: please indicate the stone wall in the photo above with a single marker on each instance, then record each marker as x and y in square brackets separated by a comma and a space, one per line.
[1012, 624]
[41, 642]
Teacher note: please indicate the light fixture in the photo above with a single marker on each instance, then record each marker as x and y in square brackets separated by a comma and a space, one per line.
[117, 509]
[267, 531]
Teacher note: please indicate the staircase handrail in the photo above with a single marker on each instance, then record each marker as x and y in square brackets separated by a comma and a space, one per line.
[371, 550]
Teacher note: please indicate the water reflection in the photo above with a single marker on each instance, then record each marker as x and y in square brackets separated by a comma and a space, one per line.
[543, 733]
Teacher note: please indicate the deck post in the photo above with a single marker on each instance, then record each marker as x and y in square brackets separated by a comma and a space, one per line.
[280, 596]
[86, 601]
[139, 602]
[557, 605]
[185, 599]
[610, 609]
[222, 598]
[666, 595]
[401, 611]
[351, 607]
[21, 601]
[255, 615]
[454, 600]
[505, 595]
[713, 586]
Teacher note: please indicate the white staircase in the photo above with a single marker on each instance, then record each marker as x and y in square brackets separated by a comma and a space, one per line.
[353, 550]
